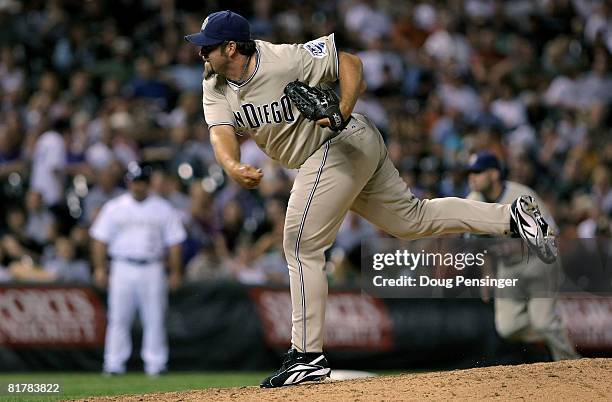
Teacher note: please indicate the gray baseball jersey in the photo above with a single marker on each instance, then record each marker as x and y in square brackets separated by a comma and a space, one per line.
[259, 105]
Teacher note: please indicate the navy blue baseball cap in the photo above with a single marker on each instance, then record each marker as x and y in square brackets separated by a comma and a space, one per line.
[136, 172]
[220, 27]
[483, 161]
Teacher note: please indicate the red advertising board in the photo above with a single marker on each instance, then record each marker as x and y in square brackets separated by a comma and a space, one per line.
[353, 320]
[589, 321]
[51, 316]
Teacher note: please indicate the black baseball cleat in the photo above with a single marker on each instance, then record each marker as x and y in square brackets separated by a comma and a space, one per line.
[527, 222]
[297, 368]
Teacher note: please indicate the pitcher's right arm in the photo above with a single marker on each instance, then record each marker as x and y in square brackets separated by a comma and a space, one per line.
[227, 152]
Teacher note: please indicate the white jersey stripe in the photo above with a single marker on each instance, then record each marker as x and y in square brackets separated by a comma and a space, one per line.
[236, 85]
[222, 123]
[333, 40]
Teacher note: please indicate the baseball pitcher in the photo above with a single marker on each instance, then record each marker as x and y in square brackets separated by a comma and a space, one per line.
[278, 94]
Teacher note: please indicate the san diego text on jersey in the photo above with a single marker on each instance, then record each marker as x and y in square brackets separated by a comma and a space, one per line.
[268, 113]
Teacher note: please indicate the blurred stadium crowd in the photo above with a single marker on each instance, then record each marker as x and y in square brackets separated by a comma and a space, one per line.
[86, 87]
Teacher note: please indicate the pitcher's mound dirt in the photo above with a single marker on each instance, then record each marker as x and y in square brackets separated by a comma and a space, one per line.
[575, 380]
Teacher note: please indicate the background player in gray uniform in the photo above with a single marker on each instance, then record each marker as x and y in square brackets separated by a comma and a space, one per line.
[338, 171]
[135, 230]
[520, 315]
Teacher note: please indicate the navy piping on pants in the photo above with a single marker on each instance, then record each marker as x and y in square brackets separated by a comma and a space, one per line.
[297, 246]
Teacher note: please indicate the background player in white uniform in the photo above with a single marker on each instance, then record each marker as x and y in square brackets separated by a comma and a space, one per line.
[135, 230]
[338, 171]
[519, 316]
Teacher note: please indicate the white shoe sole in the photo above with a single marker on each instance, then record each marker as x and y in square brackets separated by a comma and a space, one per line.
[542, 244]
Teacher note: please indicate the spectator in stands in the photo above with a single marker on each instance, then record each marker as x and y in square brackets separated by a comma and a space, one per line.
[206, 266]
[232, 232]
[202, 222]
[366, 21]
[114, 57]
[15, 240]
[447, 45]
[456, 94]
[186, 73]
[169, 186]
[146, 85]
[241, 266]
[5, 274]
[11, 148]
[602, 189]
[266, 252]
[40, 222]
[595, 86]
[78, 97]
[48, 163]
[62, 267]
[12, 76]
[73, 50]
[508, 107]
[188, 110]
[102, 152]
[183, 150]
[105, 188]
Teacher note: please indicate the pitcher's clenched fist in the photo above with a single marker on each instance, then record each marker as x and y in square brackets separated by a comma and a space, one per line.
[246, 175]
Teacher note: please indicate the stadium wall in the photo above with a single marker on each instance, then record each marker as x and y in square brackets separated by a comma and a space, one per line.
[228, 326]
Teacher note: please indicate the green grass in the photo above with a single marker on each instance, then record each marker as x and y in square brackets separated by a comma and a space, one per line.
[81, 385]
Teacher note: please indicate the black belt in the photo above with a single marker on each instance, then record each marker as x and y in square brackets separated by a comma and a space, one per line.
[137, 261]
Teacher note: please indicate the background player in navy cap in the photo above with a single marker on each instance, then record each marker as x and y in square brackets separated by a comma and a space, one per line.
[137, 180]
[138, 231]
[527, 313]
